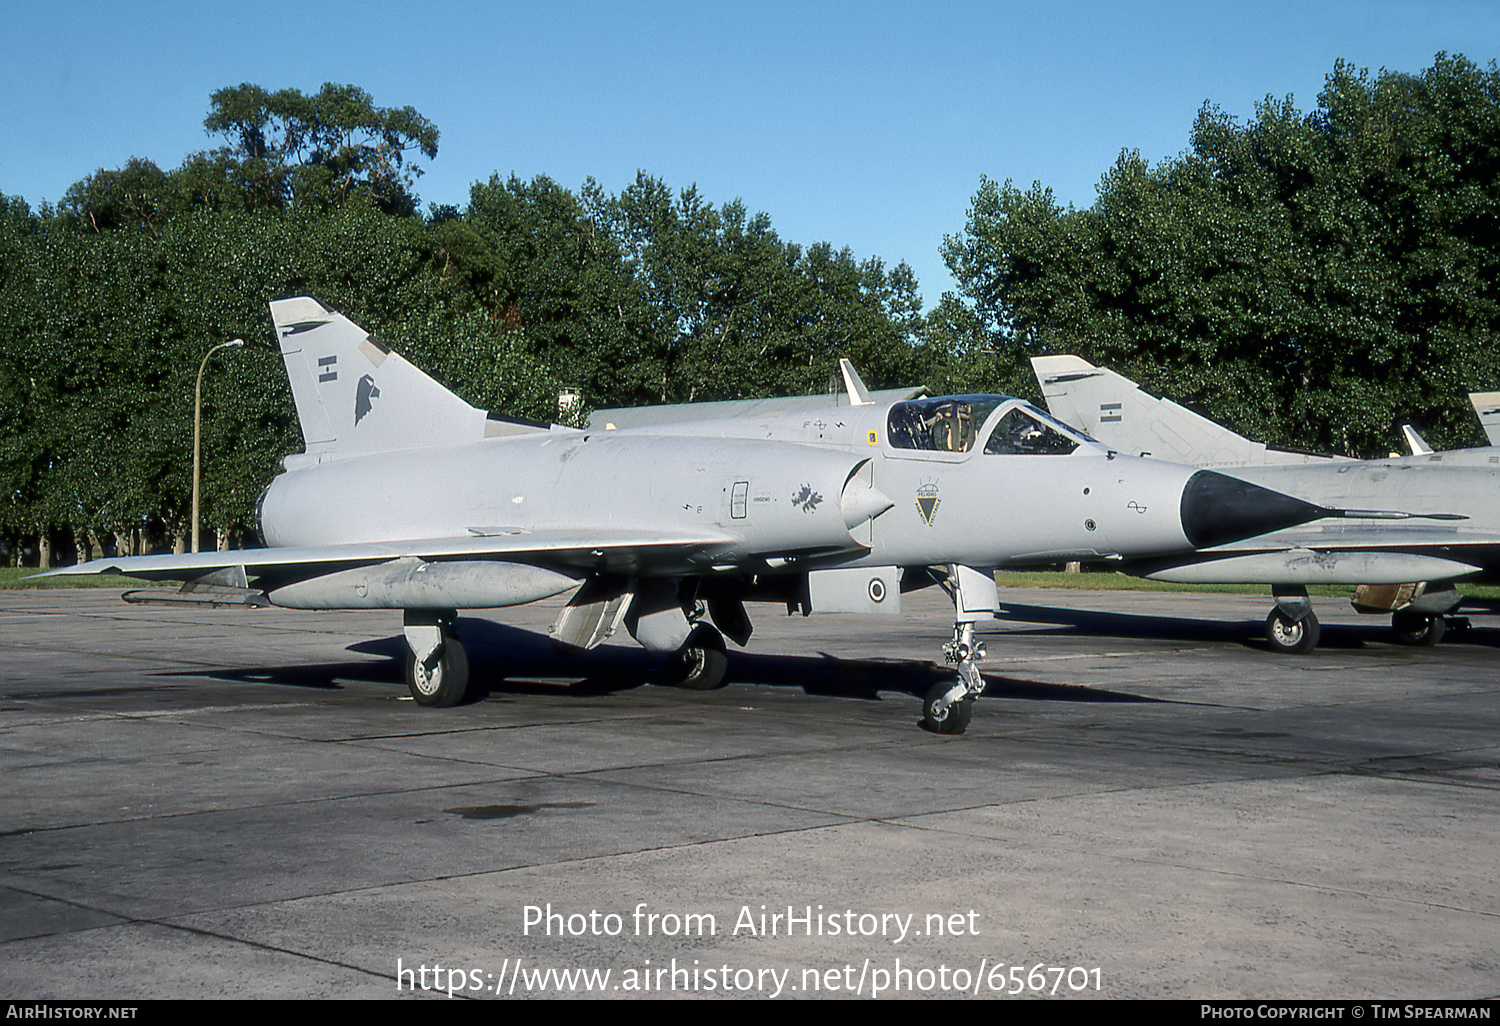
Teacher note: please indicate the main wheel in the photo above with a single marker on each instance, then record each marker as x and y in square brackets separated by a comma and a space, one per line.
[952, 720]
[444, 684]
[699, 665]
[1416, 628]
[1292, 637]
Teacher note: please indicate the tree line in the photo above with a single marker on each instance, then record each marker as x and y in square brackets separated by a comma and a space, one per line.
[1313, 280]
[109, 301]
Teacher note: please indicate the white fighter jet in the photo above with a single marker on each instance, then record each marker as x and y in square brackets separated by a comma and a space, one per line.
[1401, 563]
[409, 498]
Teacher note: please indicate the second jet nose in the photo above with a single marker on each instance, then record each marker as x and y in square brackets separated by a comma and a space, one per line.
[1217, 509]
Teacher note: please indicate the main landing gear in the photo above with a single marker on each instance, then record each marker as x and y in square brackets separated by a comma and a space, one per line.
[1417, 614]
[437, 668]
[1292, 637]
[1292, 629]
[1419, 611]
[1414, 628]
[700, 664]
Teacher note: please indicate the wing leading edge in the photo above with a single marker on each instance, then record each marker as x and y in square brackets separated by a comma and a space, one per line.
[562, 550]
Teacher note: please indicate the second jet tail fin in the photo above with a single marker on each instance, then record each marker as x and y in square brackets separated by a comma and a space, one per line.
[1487, 405]
[1115, 411]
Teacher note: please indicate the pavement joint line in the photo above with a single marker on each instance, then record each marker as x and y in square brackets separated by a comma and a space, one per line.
[287, 804]
[1412, 778]
[168, 924]
[159, 659]
[1439, 752]
[529, 774]
[393, 884]
[1212, 871]
[592, 775]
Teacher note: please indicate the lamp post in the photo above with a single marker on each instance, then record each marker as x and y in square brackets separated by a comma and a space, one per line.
[198, 425]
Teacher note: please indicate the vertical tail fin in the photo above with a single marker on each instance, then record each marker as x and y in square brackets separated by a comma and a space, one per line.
[1487, 405]
[354, 395]
[859, 395]
[1415, 442]
[1114, 410]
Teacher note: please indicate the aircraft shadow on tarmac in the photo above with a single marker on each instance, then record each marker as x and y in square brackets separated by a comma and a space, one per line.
[511, 661]
[1250, 633]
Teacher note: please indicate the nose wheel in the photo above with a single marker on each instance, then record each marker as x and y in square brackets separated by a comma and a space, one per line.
[947, 708]
[943, 714]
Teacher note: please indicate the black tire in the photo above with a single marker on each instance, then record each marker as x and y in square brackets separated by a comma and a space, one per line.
[1417, 628]
[953, 720]
[702, 663]
[1292, 637]
[446, 684]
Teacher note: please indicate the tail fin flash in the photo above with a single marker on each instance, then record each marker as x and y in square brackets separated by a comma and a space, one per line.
[1114, 410]
[355, 396]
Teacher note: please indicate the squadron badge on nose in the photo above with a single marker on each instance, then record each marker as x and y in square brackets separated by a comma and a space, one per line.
[927, 502]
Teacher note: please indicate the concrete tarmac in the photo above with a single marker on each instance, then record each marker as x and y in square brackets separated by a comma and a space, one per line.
[244, 803]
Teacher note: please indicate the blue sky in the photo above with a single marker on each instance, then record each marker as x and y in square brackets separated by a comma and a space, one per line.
[866, 125]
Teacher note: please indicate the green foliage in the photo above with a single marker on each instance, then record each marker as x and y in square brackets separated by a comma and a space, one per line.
[286, 147]
[139, 195]
[729, 310]
[109, 303]
[1314, 280]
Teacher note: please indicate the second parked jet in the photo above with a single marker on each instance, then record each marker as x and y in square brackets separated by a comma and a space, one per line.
[1406, 562]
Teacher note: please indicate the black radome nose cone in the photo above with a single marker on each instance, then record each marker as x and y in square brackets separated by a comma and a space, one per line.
[1217, 508]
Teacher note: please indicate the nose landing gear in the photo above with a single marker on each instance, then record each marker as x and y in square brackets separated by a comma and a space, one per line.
[947, 708]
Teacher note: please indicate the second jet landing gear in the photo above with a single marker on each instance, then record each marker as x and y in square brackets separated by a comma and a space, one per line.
[1292, 629]
[437, 668]
[948, 708]
[1419, 612]
[1415, 628]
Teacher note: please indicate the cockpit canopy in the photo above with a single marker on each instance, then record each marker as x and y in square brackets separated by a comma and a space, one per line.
[955, 423]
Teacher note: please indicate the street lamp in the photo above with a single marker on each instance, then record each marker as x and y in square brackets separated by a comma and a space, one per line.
[198, 425]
